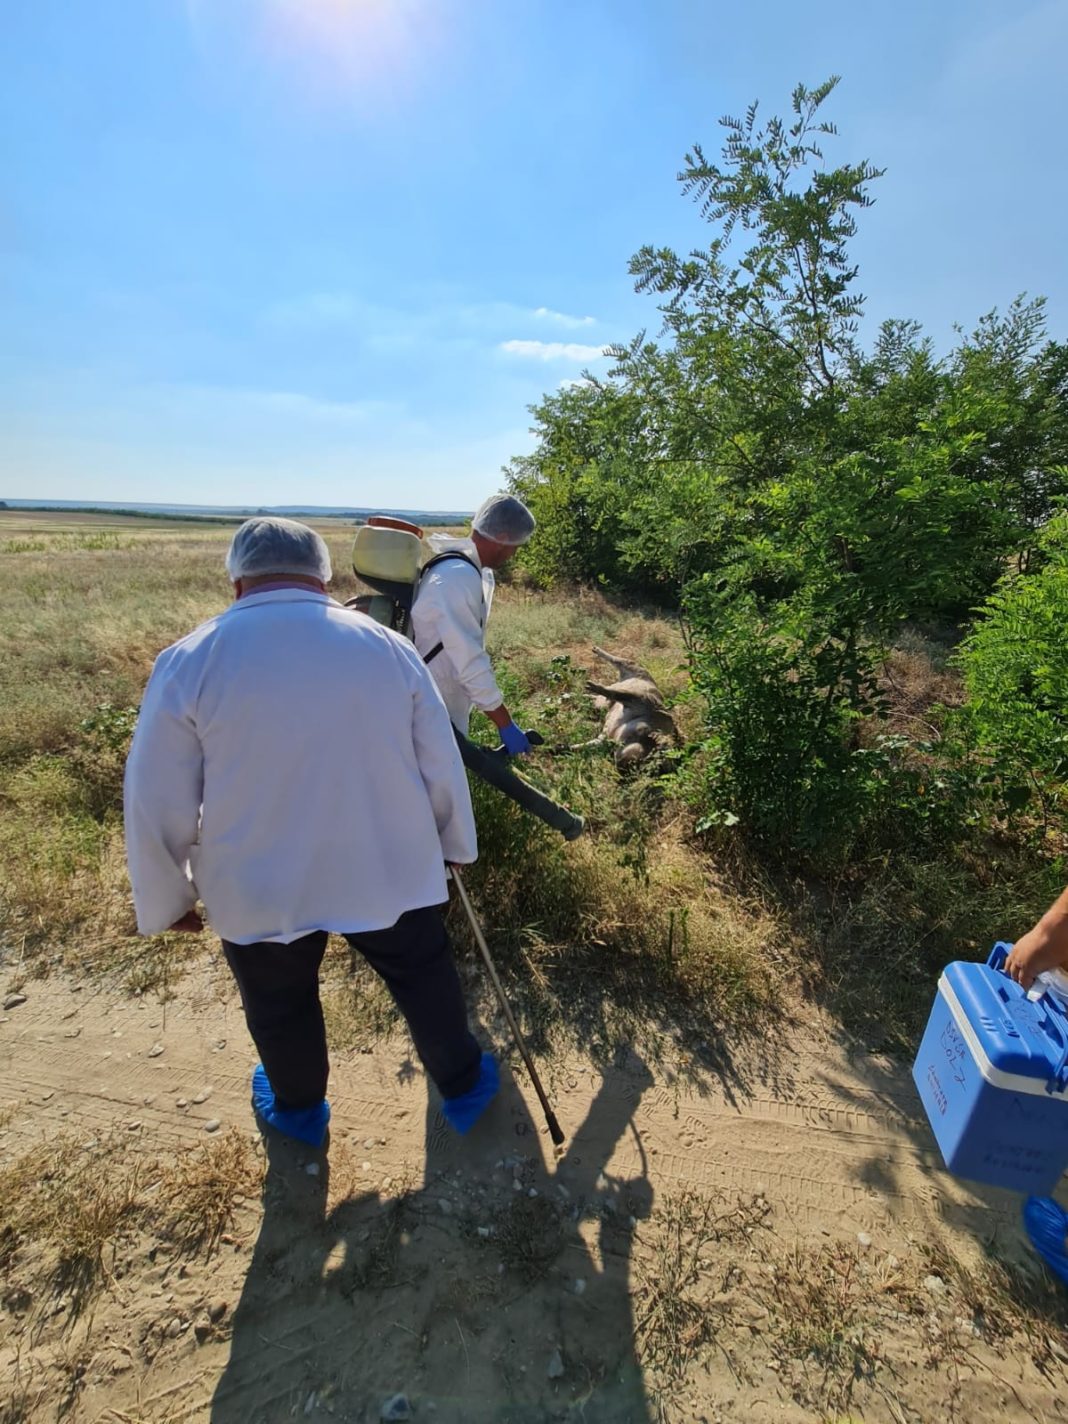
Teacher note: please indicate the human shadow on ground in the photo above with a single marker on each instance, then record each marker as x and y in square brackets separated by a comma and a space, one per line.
[499, 1290]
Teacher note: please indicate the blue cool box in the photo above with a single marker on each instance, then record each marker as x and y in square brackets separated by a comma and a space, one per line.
[992, 1071]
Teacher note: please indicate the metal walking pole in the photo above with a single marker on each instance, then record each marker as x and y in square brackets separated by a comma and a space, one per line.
[550, 1117]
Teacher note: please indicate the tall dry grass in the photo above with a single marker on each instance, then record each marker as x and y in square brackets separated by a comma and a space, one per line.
[626, 917]
[641, 929]
[85, 612]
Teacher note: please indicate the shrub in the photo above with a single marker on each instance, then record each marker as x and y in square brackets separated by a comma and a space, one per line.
[1015, 664]
[804, 498]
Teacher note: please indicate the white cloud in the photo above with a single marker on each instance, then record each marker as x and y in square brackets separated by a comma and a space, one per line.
[554, 350]
[570, 383]
[562, 318]
[439, 317]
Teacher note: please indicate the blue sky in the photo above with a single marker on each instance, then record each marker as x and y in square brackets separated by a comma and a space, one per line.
[328, 251]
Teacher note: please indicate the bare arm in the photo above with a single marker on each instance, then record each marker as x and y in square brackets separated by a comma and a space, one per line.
[1044, 947]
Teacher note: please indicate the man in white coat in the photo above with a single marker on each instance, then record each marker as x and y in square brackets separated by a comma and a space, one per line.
[294, 769]
[452, 607]
[449, 615]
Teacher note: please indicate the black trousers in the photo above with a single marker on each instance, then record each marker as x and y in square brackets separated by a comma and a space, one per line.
[279, 986]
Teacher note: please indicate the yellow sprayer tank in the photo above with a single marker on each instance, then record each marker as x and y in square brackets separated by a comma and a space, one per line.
[386, 555]
[388, 549]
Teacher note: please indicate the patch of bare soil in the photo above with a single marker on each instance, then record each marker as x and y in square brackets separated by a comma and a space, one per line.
[761, 1238]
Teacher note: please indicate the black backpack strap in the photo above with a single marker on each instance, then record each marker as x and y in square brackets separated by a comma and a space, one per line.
[448, 554]
[440, 559]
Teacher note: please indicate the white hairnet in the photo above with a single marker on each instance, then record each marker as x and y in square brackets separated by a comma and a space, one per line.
[504, 519]
[270, 545]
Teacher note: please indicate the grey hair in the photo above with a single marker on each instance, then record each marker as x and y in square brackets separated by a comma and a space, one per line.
[271, 545]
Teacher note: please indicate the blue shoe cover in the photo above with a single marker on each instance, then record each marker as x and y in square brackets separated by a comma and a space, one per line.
[1047, 1225]
[463, 1112]
[305, 1124]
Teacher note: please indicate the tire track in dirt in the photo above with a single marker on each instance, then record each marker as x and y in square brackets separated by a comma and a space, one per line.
[833, 1149]
[836, 1148]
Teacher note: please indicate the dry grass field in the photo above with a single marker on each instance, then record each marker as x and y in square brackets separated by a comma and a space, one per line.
[749, 1220]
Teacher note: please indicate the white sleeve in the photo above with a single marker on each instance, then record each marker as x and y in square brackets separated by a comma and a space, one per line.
[162, 794]
[440, 764]
[457, 603]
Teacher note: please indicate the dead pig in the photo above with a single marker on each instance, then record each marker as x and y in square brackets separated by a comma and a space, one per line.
[636, 721]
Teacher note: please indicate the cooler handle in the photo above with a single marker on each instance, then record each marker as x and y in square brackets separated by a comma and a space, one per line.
[1059, 1081]
[999, 954]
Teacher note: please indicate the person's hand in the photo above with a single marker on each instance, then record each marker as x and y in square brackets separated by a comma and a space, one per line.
[514, 739]
[190, 923]
[1034, 953]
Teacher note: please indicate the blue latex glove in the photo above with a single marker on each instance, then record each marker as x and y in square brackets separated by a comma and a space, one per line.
[514, 739]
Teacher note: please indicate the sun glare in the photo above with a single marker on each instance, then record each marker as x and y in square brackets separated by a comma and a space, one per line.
[359, 44]
[339, 51]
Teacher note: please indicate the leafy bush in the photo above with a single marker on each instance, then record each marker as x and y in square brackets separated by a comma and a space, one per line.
[1015, 663]
[802, 499]
[790, 758]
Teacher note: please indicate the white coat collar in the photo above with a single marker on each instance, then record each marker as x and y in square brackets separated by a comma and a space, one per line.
[281, 595]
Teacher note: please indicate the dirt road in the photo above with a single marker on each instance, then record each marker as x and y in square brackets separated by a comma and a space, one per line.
[767, 1237]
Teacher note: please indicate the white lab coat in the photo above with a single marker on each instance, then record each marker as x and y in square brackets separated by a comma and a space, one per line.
[294, 767]
[452, 605]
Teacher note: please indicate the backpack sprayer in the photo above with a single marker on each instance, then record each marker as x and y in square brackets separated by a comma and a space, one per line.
[388, 556]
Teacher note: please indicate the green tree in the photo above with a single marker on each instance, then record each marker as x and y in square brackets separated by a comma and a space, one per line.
[800, 497]
[1009, 384]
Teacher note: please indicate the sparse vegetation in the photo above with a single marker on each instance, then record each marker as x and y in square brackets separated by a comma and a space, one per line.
[72, 1202]
[822, 1302]
[632, 906]
[868, 784]
[195, 1198]
[675, 1321]
[67, 1209]
[376, 1265]
[530, 1234]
